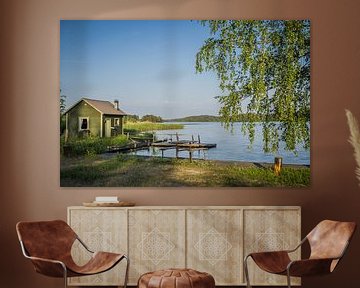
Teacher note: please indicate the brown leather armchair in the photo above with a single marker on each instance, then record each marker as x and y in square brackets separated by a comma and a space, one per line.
[48, 245]
[328, 242]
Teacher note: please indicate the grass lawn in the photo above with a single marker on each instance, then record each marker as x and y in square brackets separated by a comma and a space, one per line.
[137, 171]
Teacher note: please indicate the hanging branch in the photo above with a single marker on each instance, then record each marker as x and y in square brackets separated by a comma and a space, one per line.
[354, 140]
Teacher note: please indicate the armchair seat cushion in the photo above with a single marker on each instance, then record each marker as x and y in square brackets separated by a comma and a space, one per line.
[272, 262]
[99, 262]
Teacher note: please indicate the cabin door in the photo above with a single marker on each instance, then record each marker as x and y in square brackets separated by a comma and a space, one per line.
[107, 127]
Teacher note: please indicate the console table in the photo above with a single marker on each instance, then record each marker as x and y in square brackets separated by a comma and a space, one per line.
[212, 239]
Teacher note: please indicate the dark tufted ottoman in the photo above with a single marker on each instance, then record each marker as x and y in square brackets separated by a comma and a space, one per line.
[176, 278]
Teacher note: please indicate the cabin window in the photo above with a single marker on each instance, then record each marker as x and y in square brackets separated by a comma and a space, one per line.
[116, 122]
[83, 123]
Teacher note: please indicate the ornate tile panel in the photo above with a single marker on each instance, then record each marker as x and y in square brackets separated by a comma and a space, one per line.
[214, 244]
[101, 230]
[157, 240]
[156, 246]
[270, 230]
[211, 239]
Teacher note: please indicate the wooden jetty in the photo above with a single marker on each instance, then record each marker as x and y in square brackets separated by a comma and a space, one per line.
[131, 147]
[183, 145]
[166, 144]
[197, 145]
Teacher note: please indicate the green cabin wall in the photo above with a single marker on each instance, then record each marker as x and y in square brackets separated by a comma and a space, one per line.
[113, 117]
[83, 109]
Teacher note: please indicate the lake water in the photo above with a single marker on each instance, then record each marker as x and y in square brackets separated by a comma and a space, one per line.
[233, 146]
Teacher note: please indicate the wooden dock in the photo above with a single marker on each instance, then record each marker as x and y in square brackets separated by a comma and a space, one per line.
[166, 144]
[183, 145]
[131, 147]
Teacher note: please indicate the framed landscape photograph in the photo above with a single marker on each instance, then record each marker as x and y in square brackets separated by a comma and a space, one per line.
[184, 103]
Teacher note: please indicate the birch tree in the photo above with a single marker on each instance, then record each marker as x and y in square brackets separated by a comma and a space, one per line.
[263, 67]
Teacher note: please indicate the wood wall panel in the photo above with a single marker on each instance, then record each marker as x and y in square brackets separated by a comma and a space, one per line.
[211, 239]
[214, 241]
[270, 230]
[156, 240]
[101, 230]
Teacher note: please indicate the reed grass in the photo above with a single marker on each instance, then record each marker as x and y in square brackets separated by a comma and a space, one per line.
[354, 140]
[91, 145]
[150, 126]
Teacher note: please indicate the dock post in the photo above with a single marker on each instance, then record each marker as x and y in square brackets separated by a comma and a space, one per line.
[199, 141]
[190, 155]
[177, 151]
[192, 139]
[277, 165]
[162, 153]
[177, 137]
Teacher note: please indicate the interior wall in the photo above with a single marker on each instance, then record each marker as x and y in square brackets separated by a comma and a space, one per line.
[29, 109]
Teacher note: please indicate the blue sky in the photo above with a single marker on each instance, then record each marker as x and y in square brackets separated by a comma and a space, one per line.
[148, 65]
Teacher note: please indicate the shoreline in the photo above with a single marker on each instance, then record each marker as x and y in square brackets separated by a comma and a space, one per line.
[124, 170]
[221, 162]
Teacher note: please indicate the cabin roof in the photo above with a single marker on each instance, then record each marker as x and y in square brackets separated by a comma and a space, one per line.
[104, 107]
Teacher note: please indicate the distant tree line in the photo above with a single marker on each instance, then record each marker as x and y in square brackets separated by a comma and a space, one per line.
[197, 118]
[148, 118]
[244, 117]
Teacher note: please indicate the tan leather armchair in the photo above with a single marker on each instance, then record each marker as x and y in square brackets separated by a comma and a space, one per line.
[48, 245]
[328, 242]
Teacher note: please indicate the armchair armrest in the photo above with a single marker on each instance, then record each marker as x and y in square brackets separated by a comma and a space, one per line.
[49, 267]
[83, 244]
[314, 266]
[277, 253]
[298, 246]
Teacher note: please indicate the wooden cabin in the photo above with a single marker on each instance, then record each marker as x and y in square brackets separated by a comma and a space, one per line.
[90, 117]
